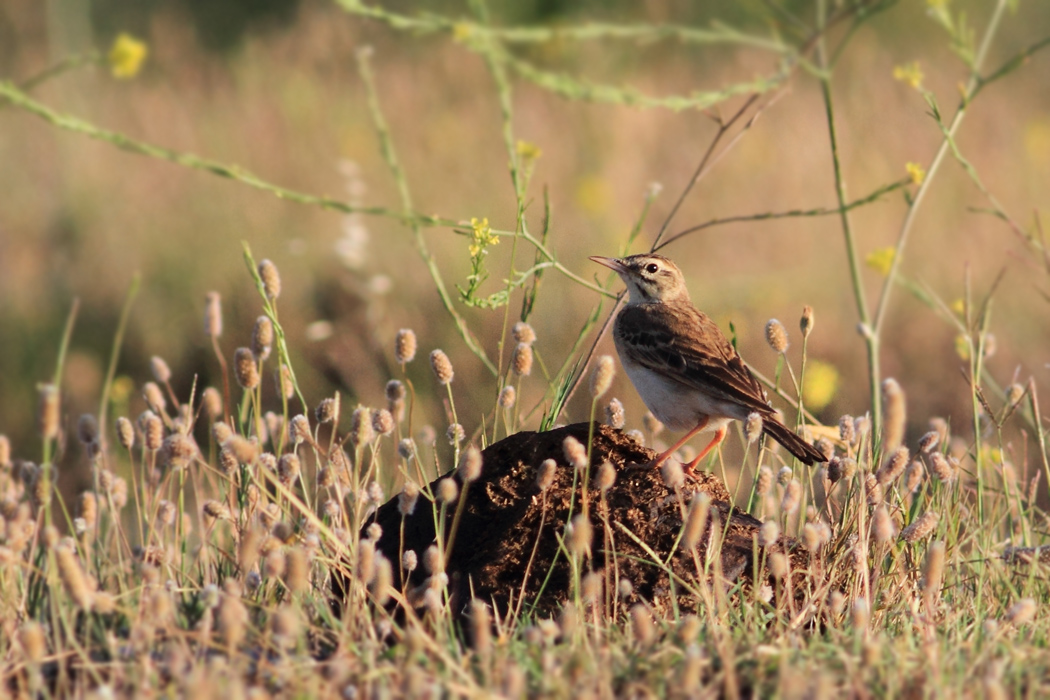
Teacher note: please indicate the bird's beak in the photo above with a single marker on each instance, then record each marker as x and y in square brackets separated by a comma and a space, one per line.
[611, 263]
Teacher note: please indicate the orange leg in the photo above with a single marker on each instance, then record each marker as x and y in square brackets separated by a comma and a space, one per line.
[719, 436]
[674, 448]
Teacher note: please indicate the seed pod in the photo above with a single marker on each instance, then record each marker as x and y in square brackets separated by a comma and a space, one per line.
[48, 416]
[672, 473]
[213, 315]
[805, 324]
[271, 279]
[642, 625]
[934, 571]
[405, 346]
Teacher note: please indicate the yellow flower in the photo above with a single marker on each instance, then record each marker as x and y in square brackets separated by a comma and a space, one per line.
[962, 347]
[910, 74]
[127, 56]
[461, 31]
[122, 388]
[959, 307]
[482, 236]
[915, 172]
[937, 4]
[528, 151]
[822, 383]
[881, 260]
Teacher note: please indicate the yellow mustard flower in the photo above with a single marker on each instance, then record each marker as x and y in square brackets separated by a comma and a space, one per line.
[959, 307]
[126, 56]
[481, 237]
[461, 32]
[821, 384]
[962, 347]
[528, 151]
[881, 260]
[910, 73]
[915, 172]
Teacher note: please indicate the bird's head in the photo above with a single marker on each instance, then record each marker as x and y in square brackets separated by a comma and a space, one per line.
[649, 278]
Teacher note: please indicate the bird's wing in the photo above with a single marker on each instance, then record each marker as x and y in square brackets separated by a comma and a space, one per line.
[684, 345]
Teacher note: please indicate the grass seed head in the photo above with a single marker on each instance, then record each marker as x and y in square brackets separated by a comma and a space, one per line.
[283, 383]
[366, 560]
[48, 415]
[455, 434]
[614, 414]
[383, 421]
[470, 464]
[299, 429]
[285, 626]
[448, 490]
[523, 333]
[546, 474]
[433, 563]
[696, 520]
[847, 433]
[913, 476]
[87, 506]
[1022, 612]
[873, 489]
[244, 449]
[642, 625]
[326, 410]
[921, 527]
[941, 467]
[602, 376]
[213, 315]
[606, 476]
[768, 533]
[860, 614]
[74, 580]
[178, 451]
[125, 433]
[288, 468]
[792, 497]
[383, 581]
[409, 560]
[442, 367]
[507, 397]
[882, 524]
[637, 436]
[805, 324]
[765, 480]
[672, 473]
[893, 467]
[575, 453]
[776, 336]
[934, 570]
[271, 279]
[297, 570]
[521, 360]
[752, 427]
[262, 338]
[929, 441]
[33, 641]
[405, 346]
[568, 620]
[245, 368]
[406, 500]
[580, 534]
[154, 397]
[893, 414]
[160, 370]
[779, 565]
[232, 620]
[406, 449]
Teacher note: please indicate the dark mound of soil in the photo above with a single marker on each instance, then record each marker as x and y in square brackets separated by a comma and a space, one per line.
[508, 521]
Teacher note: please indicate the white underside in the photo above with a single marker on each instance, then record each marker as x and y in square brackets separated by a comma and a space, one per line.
[680, 407]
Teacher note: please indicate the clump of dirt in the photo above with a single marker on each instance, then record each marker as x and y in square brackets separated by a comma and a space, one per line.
[508, 522]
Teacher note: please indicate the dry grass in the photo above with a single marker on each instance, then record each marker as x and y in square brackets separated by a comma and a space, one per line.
[197, 556]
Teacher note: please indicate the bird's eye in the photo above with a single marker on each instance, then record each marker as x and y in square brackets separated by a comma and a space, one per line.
[652, 268]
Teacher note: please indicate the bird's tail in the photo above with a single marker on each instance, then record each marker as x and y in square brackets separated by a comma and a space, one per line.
[792, 443]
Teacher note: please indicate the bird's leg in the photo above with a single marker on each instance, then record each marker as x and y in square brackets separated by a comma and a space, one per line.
[720, 435]
[674, 448]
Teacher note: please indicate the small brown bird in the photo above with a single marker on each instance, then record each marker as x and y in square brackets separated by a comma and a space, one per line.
[681, 363]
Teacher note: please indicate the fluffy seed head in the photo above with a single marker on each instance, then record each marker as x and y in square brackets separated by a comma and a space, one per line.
[934, 571]
[873, 489]
[921, 527]
[546, 473]
[159, 368]
[580, 534]
[406, 449]
[521, 361]
[507, 397]
[768, 533]
[33, 641]
[288, 468]
[271, 279]
[779, 565]
[87, 429]
[432, 560]
[178, 451]
[753, 427]
[262, 338]
[410, 560]
[776, 336]
[805, 324]
[72, 575]
[442, 366]
[929, 441]
[125, 433]
[383, 421]
[1022, 612]
[299, 429]
[325, 411]
[792, 496]
[405, 346]
[606, 476]
[575, 453]
[406, 500]
[245, 368]
[602, 376]
[470, 464]
[847, 433]
[455, 434]
[882, 524]
[614, 415]
[152, 430]
[893, 414]
[361, 431]
[696, 519]
[213, 315]
[523, 333]
[672, 473]
[637, 436]
[765, 480]
[860, 614]
[893, 467]
[448, 490]
[642, 625]
[48, 417]
[941, 467]
[283, 382]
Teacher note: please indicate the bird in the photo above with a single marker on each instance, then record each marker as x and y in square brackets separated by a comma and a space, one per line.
[682, 365]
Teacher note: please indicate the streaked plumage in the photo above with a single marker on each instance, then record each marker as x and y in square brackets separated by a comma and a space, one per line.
[682, 365]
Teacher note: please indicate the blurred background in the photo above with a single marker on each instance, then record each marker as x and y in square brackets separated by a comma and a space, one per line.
[272, 86]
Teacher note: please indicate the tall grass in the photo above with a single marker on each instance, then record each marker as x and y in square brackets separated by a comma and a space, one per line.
[201, 557]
